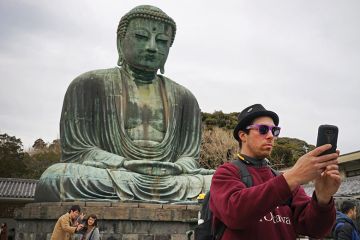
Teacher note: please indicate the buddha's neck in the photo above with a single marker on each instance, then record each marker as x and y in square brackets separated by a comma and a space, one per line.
[140, 76]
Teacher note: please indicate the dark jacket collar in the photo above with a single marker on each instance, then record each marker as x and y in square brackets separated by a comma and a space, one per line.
[254, 161]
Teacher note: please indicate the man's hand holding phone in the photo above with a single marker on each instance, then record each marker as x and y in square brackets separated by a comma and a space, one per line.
[328, 182]
[310, 166]
[315, 165]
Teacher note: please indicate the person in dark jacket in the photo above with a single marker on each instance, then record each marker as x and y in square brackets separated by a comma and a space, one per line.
[345, 227]
[275, 207]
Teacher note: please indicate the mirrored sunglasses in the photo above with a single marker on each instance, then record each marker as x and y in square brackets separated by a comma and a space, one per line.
[264, 129]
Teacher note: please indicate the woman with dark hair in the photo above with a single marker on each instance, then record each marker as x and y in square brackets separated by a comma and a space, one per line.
[91, 231]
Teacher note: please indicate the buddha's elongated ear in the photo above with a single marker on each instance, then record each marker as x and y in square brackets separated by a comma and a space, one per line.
[120, 53]
[162, 69]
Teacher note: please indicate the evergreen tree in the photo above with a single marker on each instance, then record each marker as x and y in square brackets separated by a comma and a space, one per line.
[39, 144]
[12, 157]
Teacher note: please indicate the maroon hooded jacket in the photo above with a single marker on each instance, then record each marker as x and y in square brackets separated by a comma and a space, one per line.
[260, 212]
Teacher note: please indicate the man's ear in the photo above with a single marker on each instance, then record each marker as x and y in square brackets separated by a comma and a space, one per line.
[242, 136]
[353, 210]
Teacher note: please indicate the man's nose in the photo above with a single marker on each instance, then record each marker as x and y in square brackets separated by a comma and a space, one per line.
[269, 134]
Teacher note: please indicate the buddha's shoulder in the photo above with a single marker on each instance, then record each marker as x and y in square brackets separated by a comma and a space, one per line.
[96, 76]
[176, 85]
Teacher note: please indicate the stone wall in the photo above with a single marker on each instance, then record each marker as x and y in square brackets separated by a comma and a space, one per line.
[123, 221]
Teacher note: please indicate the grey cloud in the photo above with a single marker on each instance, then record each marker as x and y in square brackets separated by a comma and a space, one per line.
[299, 58]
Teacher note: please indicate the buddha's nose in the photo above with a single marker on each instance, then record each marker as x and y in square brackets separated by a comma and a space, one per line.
[151, 46]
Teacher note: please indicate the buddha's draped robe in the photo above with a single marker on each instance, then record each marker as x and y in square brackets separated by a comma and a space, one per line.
[93, 132]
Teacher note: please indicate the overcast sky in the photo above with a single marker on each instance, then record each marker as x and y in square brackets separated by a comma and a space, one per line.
[299, 58]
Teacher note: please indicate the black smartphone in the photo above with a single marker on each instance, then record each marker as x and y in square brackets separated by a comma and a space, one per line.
[327, 134]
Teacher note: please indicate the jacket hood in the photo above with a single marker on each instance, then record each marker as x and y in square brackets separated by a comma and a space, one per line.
[341, 217]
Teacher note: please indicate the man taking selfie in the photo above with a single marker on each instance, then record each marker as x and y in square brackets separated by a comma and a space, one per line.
[275, 206]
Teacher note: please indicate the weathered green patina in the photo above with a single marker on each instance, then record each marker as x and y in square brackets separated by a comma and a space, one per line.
[126, 132]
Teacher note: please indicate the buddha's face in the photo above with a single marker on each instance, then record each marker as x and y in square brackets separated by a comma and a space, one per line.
[146, 44]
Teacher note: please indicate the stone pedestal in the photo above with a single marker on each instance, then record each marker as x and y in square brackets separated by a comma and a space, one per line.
[117, 220]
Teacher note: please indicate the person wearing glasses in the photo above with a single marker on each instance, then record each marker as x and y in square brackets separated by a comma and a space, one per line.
[276, 206]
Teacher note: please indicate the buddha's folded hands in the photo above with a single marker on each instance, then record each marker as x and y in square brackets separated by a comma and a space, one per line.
[105, 160]
[154, 168]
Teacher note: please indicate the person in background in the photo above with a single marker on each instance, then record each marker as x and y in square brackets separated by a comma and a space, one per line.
[67, 224]
[345, 227]
[91, 231]
[3, 232]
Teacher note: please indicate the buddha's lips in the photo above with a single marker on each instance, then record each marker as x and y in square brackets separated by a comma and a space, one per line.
[150, 57]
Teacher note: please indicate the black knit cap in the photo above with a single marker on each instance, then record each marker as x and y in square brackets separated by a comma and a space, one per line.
[249, 114]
